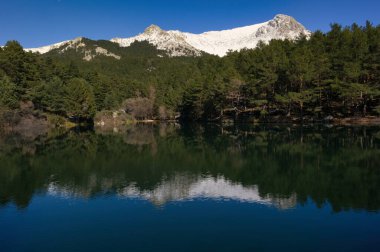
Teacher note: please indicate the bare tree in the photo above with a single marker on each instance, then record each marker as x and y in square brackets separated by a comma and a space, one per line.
[140, 108]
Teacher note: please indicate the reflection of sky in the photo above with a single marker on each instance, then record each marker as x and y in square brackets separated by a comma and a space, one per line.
[184, 188]
[111, 224]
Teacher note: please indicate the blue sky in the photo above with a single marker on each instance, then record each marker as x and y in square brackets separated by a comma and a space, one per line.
[41, 22]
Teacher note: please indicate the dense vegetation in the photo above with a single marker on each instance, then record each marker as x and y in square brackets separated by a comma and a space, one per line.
[329, 74]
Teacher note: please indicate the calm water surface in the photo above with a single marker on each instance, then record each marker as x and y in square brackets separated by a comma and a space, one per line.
[195, 188]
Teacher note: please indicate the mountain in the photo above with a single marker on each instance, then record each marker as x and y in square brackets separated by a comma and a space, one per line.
[177, 43]
[219, 42]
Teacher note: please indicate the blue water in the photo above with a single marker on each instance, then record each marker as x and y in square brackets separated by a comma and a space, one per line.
[114, 224]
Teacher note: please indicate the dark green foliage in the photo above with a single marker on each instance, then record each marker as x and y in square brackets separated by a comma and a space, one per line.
[50, 96]
[79, 99]
[8, 93]
[192, 102]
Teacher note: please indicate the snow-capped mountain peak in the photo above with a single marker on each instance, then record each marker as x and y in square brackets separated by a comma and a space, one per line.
[153, 29]
[219, 42]
[177, 43]
[287, 26]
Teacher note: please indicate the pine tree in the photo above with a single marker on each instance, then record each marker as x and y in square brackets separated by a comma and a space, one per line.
[8, 93]
[79, 100]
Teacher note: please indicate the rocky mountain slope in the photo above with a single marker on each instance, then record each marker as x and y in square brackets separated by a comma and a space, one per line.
[177, 43]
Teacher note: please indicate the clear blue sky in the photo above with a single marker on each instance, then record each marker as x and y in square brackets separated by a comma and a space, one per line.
[41, 22]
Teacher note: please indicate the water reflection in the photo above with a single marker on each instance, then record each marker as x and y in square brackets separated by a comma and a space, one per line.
[184, 187]
[276, 166]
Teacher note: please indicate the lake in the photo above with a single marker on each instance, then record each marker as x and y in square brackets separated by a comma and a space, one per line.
[192, 188]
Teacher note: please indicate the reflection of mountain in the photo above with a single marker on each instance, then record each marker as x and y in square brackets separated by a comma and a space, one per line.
[183, 187]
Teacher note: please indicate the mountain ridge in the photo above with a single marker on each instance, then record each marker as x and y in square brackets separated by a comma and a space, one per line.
[177, 43]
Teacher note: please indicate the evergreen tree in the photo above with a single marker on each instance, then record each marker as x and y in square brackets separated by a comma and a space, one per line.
[79, 100]
[8, 93]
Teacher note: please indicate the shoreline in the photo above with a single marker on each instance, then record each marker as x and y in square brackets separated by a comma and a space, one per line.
[349, 121]
[31, 125]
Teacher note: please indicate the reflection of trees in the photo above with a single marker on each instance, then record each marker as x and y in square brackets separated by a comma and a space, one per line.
[340, 166]
[141, 135]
